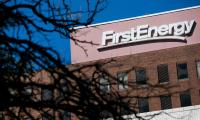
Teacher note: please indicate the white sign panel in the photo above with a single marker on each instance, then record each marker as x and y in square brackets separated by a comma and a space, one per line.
[176, 31]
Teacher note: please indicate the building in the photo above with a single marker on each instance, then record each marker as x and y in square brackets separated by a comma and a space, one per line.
[157, 53]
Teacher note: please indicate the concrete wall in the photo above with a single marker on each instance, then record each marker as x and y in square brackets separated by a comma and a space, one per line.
[184, 113]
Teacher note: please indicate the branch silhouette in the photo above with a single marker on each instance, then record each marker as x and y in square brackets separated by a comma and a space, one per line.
[36, 84]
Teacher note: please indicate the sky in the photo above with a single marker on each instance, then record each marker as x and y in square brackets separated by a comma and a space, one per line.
[120, 9]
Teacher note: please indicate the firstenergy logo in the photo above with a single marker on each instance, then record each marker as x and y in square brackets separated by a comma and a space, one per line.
[176, 31]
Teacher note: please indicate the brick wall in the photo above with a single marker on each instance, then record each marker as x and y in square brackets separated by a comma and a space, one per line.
[150, 60]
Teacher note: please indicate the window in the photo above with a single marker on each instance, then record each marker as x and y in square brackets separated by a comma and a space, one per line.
[198, 68]
[27, 118]
[163, 73]
[122, 80]
[64, 88]
[87, 84]
[47, 116]
[141, 77]
[47, 94]
[182, 71]
[104, 84]
[65, 115]
[1, 115]
[185, 99]
[27, 91]
[105, 114]
[166, 102]
[85, 118]
[143, 105]
[125, 108]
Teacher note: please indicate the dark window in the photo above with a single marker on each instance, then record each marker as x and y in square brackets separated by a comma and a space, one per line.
[166, 102]
[198, 68]
[104, 84]
[163, 73]
[105, 114]
[141, 77]
[1, 115]
[85, 118]
[47, 116]
[143, 105]
[125, 109]
[87, 84]
[122, 80]
[185, 99]
[182, 71]
[47, 94]
[27, 91]
[65, 115]
[64, 88]
[27, 118]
